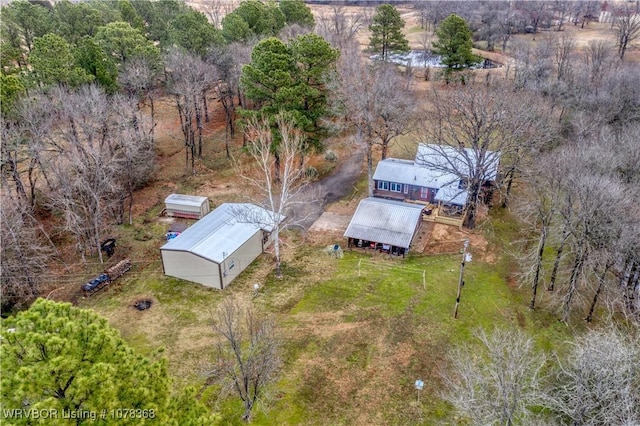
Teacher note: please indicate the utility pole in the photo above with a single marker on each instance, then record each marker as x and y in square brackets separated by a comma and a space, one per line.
[465, 258]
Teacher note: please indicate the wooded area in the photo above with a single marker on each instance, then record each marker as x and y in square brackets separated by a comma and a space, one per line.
[80, 87]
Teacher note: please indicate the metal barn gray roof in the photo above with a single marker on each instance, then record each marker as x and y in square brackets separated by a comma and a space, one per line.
[447, 158]
[409, 173]
[223, 231]
[385, 221]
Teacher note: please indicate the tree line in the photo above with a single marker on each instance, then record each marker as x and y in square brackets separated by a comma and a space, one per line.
[502, 377]
[310, 77]
[77, 143]
[79, 81]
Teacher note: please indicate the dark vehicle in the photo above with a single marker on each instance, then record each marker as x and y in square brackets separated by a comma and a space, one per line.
[95, 284]
[108, 276]
[108, 246]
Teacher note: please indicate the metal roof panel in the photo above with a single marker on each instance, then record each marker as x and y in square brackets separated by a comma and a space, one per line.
[385, 221]
[222, 231]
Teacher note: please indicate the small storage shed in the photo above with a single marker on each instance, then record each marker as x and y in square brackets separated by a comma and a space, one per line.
[215, 249]
[186, 206]
[386, 225]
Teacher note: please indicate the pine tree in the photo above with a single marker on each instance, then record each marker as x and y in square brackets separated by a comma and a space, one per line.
[454, 44]
[386, 32]
[58, 357]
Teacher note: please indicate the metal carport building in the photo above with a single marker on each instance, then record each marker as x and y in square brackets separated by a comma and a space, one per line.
[384, 224]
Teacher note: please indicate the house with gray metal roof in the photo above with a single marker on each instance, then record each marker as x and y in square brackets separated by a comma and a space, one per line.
[215, 249]
[385, 225]
[405, 180]
[461, 162]
[438, 175]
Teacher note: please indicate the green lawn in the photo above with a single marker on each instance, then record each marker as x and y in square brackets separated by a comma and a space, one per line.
[357, 332]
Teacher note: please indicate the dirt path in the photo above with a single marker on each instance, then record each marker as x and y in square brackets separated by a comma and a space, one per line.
[311, 202]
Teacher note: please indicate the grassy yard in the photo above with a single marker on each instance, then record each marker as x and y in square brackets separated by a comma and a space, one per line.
[357, 332]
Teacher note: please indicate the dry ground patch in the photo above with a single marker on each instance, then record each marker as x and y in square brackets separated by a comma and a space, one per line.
[355, 340]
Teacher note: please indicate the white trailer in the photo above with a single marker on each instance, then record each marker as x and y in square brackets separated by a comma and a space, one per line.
[186, 206]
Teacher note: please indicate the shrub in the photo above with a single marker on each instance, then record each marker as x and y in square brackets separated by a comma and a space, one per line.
[311, 173]
[331, 156]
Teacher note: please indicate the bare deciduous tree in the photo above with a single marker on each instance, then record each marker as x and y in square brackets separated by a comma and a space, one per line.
[498, 383]
[497, 22]
[247, 354]
[473, 127]
[26, 143]
[228, 61]
[626, 27]
[267, 150]
[589, 191]
[217, 9]
[133, 152]
[82, 176]
[536, 13]
[188, 79]
[597, 59]
[532, 65]
[376, 100]
[598, 383]
[538, 210]
[102, 153]
[138, 78]
[24, 254]
[565, 49]
[338, 27]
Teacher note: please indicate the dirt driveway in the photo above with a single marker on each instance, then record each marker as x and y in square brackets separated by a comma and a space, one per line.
[310, 205]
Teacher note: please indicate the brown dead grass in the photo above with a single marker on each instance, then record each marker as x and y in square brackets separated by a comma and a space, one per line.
[380, 354]
[445, 239]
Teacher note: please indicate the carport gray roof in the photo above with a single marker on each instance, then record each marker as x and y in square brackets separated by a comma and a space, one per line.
[385, 221]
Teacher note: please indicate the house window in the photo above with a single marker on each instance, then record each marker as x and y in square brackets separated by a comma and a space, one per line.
[383, 185]
[406, 189]
[424, 193]
[396, 187]
[232, 264]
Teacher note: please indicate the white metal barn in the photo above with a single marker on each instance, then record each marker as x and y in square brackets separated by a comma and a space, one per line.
[215, 249]
[187, 206]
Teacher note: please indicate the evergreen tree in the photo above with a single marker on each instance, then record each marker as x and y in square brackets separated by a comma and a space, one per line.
[121, 42]
[291, 78]
[11, 88]
[192, 31]
[454, 44]
[296, 12]
[55, 356]
[53, 62]
[235, 29]
[386, 32]
[90, 57]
